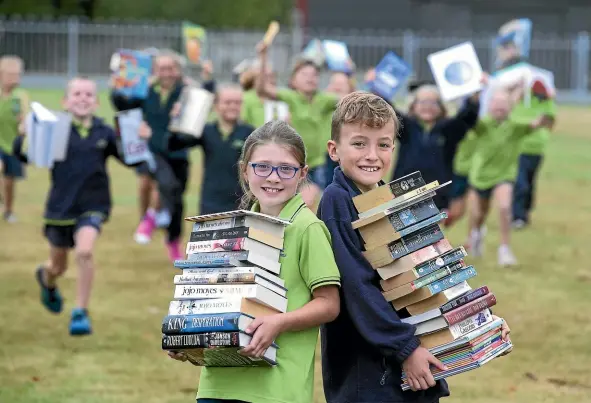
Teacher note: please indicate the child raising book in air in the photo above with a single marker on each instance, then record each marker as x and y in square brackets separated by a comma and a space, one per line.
[494, 167]
[79, 201]
[272, 171]
[366, 348]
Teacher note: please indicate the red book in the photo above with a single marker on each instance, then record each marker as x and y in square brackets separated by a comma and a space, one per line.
[471, 308]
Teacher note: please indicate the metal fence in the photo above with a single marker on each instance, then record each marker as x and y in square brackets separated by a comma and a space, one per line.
[55, 50]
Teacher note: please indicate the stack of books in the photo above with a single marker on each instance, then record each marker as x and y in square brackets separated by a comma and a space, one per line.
[425, 277]
[230, 277]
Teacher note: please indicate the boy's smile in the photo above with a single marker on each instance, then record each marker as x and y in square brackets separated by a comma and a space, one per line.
[364, 153]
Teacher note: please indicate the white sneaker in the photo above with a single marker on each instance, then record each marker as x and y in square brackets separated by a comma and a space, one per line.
[506, 257]
[162, 218]
[519, 224]
[10, 218]
[475, 242]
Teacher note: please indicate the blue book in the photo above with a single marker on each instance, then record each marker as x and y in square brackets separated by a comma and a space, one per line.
[391, 74]
[131, 71]
[337, 57]
[451, 280]
[206, 323]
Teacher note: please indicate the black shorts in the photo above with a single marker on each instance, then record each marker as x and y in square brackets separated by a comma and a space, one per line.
[459, 187]
[487, 193]
[62, 236]
[144, 170]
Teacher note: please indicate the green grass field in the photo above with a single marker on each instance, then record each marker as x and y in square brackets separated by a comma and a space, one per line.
[545, 300]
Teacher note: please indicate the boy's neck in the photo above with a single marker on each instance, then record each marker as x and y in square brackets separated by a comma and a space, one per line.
[6, 91]
[226, 126]
[364, 188]
[85, 121]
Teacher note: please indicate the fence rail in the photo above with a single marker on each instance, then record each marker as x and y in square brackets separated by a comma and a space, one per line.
[55, 50]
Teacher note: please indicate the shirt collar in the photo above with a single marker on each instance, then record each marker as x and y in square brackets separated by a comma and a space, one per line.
[289, 211]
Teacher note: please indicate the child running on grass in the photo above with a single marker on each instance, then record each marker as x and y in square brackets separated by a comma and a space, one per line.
[78, 203]
[272, 170]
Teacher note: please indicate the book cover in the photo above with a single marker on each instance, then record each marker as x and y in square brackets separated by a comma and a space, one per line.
[464, 299]
[131, 71]
[135, 149]
[223, 322]
[194, 112]
[392, 73]
[194, 42]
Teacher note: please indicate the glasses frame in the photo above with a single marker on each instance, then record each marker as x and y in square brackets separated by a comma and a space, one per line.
[273, 169]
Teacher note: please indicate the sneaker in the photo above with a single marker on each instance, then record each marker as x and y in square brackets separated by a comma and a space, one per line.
[475, 243]
[80, 322]
[506, 257]
[174, 251]
[143, 234]
[50, 297]
[519, 224]
[10, 217]
[162, 219]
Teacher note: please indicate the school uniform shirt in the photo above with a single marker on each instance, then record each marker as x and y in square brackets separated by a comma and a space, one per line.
[536, 142]
[80, 183]
[364, 348]
[253, 109]
[220, 189]
[431, 150]
[308, 119]
[12, 107]
[496, 157]
[464, 153]
[307, 264]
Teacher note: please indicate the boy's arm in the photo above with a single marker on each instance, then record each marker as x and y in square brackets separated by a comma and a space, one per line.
[19, 148]
[374, 318]
[122, 103]
[263, 86]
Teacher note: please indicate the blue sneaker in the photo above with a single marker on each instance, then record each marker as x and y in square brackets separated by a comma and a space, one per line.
[80, 322]
[50, 297]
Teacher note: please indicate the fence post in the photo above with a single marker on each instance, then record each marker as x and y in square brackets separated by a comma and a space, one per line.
[581, 62]
[492, 53]
[73, 40]
[297, 31]
[408, 48]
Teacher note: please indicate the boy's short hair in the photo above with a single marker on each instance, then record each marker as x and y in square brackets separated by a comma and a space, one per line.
[80, 78]
[363, 108]
[226, 86]
[7, 60]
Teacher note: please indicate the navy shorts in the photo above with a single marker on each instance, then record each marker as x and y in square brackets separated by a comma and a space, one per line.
[62, 236]
[13, 167]
[487, 193]
[459, 187]
[317, 176]
[143, 170]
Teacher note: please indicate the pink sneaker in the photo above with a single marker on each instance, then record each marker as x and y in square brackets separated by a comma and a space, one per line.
[174, 251]
[143, 234]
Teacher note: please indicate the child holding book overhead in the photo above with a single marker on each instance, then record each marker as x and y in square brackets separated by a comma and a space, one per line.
[428, 138]
[308, 109]
[79, 201]
[494, 167]
[222, 142]
[365, 349]
[272, 171]
[13, 107]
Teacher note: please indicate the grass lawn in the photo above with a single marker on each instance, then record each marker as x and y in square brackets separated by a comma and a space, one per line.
[545, 299]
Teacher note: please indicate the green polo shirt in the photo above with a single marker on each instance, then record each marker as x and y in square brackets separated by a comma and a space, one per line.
[309, 119]
[464, 153]
[308, 264]
[496, 157]
[536, 142]
[12, 107]
[253, 109]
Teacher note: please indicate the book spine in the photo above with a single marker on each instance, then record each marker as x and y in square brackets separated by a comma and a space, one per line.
[407, 184]
[425, 223]
[491, 346]
[215, 339]
[214, 291]
[436, 263]
[469, 309]
[437, 275]
[223, 357]
[205, 306]
[413, 214]
[177, 324]
[415, 241]
[224, 223]
[209, 257]
[451, 280]
[464, 299]
[216, 278]
[218, 245]
[202, 264]
[469, 324]
[227, 233]
[219, 270]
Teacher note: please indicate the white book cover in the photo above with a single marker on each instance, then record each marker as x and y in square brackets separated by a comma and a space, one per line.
[40, 126]
[135, 149]
[196, 104]
[457, 71]
[471, 323]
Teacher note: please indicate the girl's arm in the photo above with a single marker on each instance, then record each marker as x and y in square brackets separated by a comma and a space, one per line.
[456, 128]
[263, 87]
[323, 308]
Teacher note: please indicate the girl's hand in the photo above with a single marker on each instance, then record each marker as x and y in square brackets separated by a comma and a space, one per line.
[178, 356]
[176, 109]
[144, 132]
[265, 329]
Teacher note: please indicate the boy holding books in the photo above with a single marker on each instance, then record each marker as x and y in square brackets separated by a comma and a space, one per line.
[79, 201]
[13, 108]
[365, 349]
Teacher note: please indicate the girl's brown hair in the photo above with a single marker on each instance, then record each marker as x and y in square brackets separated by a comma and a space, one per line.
[415, 97]
[277, 132]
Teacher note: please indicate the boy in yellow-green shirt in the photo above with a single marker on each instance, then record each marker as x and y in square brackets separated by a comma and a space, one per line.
[13, 107]
[494, 168]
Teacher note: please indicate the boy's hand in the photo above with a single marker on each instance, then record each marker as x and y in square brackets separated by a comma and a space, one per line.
[178, 356]
[207, 70]
[145, 131]
[417, 370]
[265, 329]
[176, 110]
